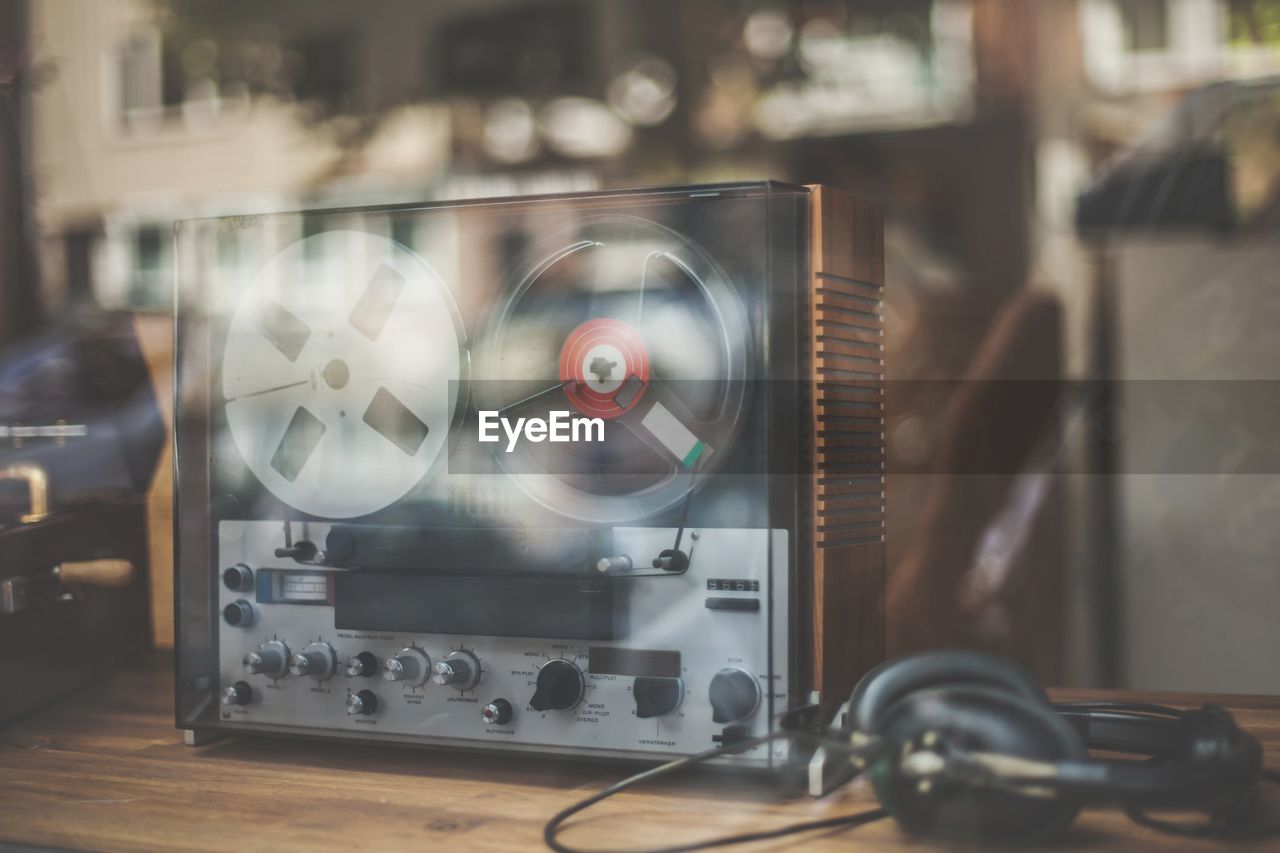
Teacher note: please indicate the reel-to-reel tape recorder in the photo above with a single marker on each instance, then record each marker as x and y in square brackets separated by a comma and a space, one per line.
[592, 474]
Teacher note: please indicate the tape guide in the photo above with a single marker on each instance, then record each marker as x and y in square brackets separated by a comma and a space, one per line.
[596, 474]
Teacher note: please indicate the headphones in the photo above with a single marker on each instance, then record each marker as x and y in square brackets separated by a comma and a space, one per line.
[966, 746]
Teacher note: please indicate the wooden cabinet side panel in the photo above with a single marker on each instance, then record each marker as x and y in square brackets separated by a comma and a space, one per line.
[155, 336]
[846, 440]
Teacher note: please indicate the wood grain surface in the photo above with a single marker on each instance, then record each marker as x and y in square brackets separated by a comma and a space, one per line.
[155, 337]
[105, 769]
[845, 442]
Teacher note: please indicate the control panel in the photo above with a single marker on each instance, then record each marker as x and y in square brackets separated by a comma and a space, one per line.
[674, 662]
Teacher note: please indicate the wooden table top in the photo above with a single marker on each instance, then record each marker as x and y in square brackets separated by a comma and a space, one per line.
[105, 769]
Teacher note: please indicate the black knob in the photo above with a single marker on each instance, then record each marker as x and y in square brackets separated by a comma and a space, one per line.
[560, 687]
[238, 578]
[363, 703]
[239, 693]
[671, 560]
[238, 614]
[302, 551]
[339, 544]
[734, 694]
[498, 712]
[656, 696]
[363, 665]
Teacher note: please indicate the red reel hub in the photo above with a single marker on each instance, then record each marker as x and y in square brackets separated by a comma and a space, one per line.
[604, 368]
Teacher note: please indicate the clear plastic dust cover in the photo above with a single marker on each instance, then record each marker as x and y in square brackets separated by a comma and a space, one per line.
[514, 474]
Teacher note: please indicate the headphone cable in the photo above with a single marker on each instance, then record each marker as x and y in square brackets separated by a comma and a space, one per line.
[1211, 829]
[550, 833]
[553, 827]
[1214, 828]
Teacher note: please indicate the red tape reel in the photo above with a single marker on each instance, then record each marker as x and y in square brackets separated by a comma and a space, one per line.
[604, 368]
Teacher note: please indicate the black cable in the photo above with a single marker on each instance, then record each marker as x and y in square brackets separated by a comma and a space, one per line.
[552, 829]
[859, 819]
[1212, 828]
[1222, 829]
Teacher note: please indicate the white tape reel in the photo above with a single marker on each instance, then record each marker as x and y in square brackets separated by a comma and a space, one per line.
[340, 373]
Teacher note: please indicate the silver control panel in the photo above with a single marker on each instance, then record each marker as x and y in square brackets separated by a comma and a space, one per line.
[694, 654]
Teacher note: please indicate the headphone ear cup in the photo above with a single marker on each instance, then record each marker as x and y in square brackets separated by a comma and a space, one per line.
[974, 719]
[1215, 763]
[884, 686]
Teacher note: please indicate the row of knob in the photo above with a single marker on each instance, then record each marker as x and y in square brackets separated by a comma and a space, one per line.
[734, 693]
[365, 703]
[411, 666]
[560, 683]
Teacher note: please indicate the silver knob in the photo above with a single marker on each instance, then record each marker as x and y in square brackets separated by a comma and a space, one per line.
[363, 703]
[316, 660]
[410, 665]
[271, 659]
[620, 563]
[497, 713]
[237, 694]
[460, 670]
[362, 665]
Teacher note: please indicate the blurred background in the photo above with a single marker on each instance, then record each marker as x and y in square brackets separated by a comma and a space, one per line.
[1080, 196]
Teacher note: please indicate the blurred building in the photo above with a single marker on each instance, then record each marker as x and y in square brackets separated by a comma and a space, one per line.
[148, 110]
[321, 102]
